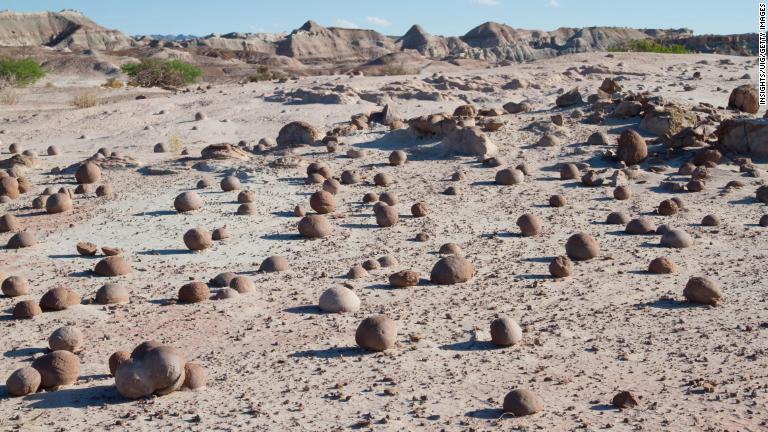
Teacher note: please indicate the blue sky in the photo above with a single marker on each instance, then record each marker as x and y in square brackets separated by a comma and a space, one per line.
[394, 17]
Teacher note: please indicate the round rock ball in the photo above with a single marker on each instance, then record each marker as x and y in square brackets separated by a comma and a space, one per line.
[226, 294]
[676, 238]
[339, 300]
[86, 248]
[315, 226]
[617, 218]
[710, 220]
[668, 208]
[105, 191]
[23, 239]
[449, 249]
[67, 338]
[376, 333]
[58, 203]
[622, 193]
[397, 157]
[23, 381]
[452, 269]
[314, 178]
[703, 290]
[349, 177]
[26, 309]
[389, 198]
[370, 197]
[762, 194]
[522, 402]
[569, 172]
[198, 239]
[9, 223]
[505, 332]
[194, 292]
[132, 380]
[581, 247]
[246, 196]
[53, 150]
[204, 183]
[557, 201]
[632, 148]
[275, 263]
[58, 368]
[194, 376]
[357, 271]
[242, 284]
[9, 187]
[383, 179]
[57, 299]
[662, 265]
[112, 294]
[188, 201]
[220, 234]
[230, 183]
[15, 286]
[640, 226]
[386, 215]
[332, 185]
[561, 267]
[404, 278]
[509, 176]
[763, 221]
[247, 209]
[88, 172]
[387, 261]
[530, 225]
[113, 266]
[165, 365]
[222, 280]
[143, 348]
[323, 202]
[419, 209]
[116, 359]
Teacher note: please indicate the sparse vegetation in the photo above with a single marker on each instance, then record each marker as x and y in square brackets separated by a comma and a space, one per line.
[162, 73]
[84, 100]
[113, 83]
[263, 73]
[175, 143]
[8, 95]
[650, 46]
[20, 72]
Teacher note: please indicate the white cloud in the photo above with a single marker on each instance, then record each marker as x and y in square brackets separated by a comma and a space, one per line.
[553, 3]
[486, 2]
[381, 22]
[340, 22]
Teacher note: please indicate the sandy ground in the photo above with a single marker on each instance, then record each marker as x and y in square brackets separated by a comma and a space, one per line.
[276, 363]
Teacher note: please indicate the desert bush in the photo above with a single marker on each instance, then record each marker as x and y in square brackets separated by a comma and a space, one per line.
[162, 73]
[113, 83]
[263, 73]
[84, 100]
[175, 143]
[650, 46]
[8, 95]
[22, 72]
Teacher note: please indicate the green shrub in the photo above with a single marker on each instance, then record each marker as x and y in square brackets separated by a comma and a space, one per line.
[22, 72]
[162, 73]
[643, 45]
[264, 74]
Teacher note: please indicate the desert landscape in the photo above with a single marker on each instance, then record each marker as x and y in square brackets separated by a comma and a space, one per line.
[422, 233]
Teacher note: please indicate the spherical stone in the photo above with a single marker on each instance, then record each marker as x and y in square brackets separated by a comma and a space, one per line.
[9, 187]
[451, 191]
[695, 186]
[509, 176]
[332, 185]
[220, 234]
[339, 300]
[26, 309]
[419, 209]
[315, 226]
[15, 286]
[57, 368]
[111, 250]
[24, 185]
[371, 264]
[242, 284]
[194, 292]
[569, 172]
[9, 223]
[299, 211]
[315, 167]
[710, 220]
[314, 178]
[88, 172]
[57, 299]
[624, 400]
[662, 265]
[198, 239]
[397, 157]
[349, 177]
[703, 290]
[622, 193]
[389, 198]
[762, 194]
[165, 365]
[143, 348]
[422, 237]
[58, 203]
[323, 202]
[67, 338]
[617, 218]
[404, 278]
[15, 148]
[640, 226]
[505, 332]
[376, 333]
[676, 238]
[222, 280]
[53, 150]
[557, 201]
[679, 202]
[204, 183]
[452, 269]
[357, 271]
[763, 221]
[230, 183]
[21, 240]
[560, 267]
[450, 249]
[23, 381]
[161, 148]
[86, 248]
[527, 168]
[383, 179]
[117, 359]
[226, 294]
[113, 266]
[493, 162]
[105, 191]
[194, 376]
[87, 188]
[200, 116]
[370, 197]
[663, 229]
[386, 215]
[668, 208]
[530, 225]
[274, 263]
[188, 201]
[458, 176]
[247, 209]
[246, 196]
[387, 261]
[112, 294]
[581, 247]
[522, 402]
[132, 380]
[632, 148]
